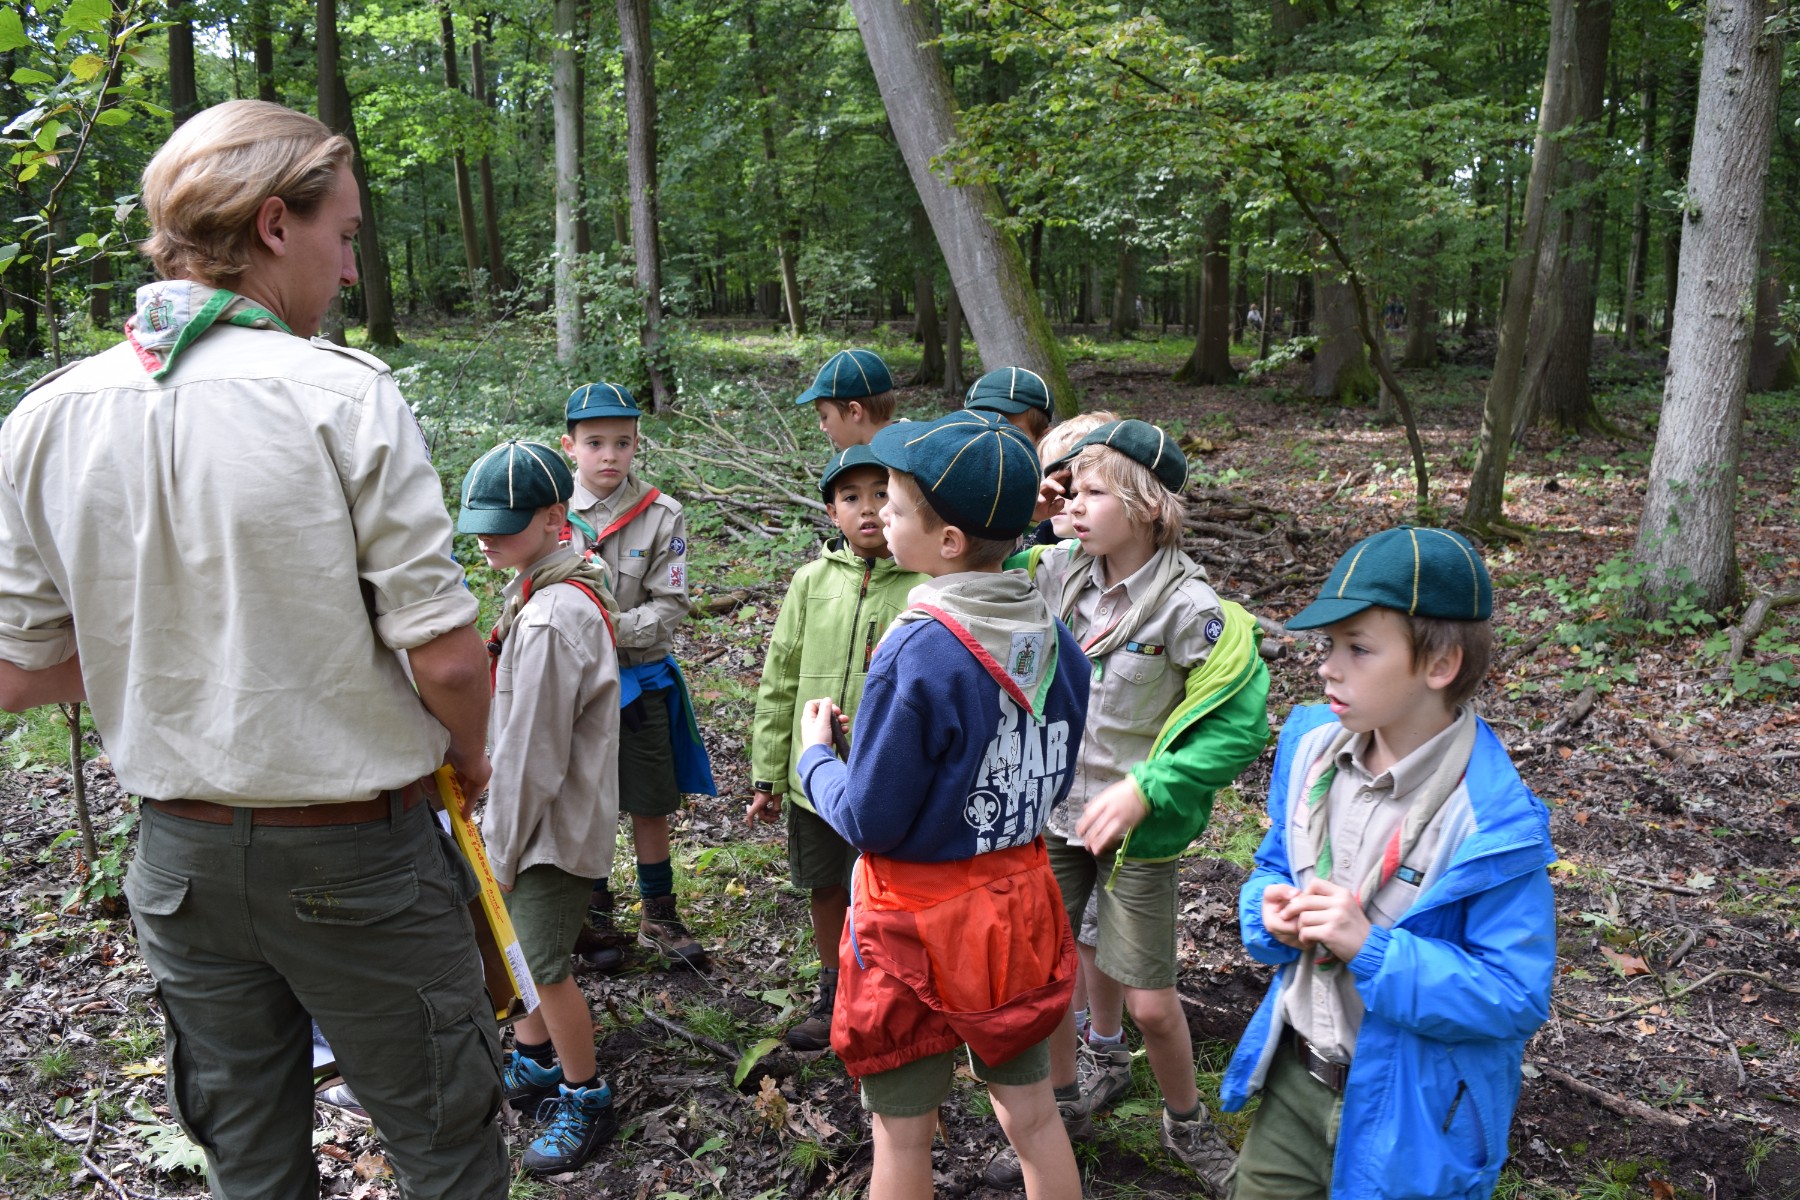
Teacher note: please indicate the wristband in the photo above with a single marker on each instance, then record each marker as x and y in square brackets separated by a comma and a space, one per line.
[763, 785]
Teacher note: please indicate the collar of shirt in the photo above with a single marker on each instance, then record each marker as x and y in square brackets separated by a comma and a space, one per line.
[1135, 584]
[517, 583]
[1411, 772]
[583, 499]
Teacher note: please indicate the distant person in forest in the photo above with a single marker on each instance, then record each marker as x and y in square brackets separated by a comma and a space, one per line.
[1278, 323]
[1254, 319]
[227, 534]
[966, 738]
[1178, 710]
[832, 618]
[640, 533]
[853, 394]
[1019, 395]
[1403, 891]
[553, 803]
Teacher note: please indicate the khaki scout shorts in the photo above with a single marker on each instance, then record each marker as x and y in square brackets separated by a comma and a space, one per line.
[920, 1086]
[1135, 921]
[548, 907]
[647, 785]
[817, 856]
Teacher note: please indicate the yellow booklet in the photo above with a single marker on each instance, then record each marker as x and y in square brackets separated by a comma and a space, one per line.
[508, 978]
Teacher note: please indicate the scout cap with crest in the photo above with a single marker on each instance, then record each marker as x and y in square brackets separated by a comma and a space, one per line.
[593, 401]
[978, 471]
[1419, 572]
[858, 455]
[1009, 390]
[509, 483]
[1141, 442]
[849, 375]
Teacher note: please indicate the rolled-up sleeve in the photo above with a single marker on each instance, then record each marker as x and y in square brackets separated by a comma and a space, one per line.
[36, 629]
[403, 533]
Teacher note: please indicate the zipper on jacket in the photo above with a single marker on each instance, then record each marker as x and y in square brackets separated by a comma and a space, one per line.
[1455, 1103]
[868, 647]
[855, 615]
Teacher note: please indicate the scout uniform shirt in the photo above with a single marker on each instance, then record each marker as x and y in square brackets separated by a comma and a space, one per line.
[647, 559]
[1365, 810]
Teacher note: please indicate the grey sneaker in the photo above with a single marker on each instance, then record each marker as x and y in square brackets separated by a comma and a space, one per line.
[1104, 1073]
[1199, 1144]
[1003, 1170]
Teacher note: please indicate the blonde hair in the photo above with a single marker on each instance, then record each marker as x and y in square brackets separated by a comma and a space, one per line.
[204, 187]
[1146, 500]
[1062, 438]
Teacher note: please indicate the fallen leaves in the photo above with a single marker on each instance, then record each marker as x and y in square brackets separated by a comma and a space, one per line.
[1626, 964]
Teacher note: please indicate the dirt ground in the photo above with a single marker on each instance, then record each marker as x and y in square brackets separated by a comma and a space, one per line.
[1671, 1064]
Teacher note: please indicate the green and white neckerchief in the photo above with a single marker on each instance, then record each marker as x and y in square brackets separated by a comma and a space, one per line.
[161, 328]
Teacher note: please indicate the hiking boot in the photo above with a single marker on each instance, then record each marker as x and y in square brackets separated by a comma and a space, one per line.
[1104, 1072]
[1003, 1170]
[599, 943]
[581, 1121]
[814, 1033]
[527, 1083]
[1199, 1144]
[661, 930]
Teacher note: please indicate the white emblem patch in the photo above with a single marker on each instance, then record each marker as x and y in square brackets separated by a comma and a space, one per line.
[1025, 657]
[678, 577]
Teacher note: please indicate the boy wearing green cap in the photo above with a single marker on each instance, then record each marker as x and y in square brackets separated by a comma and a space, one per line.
[553, 800]
[641, 536]
[1019, 395]
[1179, 710]
[834, 614]
[1403, 892]
[969, 725]
[853, 394]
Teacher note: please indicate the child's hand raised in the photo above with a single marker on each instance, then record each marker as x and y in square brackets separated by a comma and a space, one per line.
[764, 805]
[816, 721]
[1111, 815]
[1329, 916]
[1050, 496]
[1281, 927]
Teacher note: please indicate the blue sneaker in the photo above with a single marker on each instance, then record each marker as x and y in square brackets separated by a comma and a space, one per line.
[581, 1121]
[528, 1084]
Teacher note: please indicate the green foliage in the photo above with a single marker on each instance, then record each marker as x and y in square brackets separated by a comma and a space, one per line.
[104, 878]
[1606, 622]
[1766, 671]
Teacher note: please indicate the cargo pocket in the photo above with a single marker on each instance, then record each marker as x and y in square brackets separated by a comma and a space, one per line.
[459, 876]
[186, 1104]
[154, 891]
[463, 1045]
[358, 901]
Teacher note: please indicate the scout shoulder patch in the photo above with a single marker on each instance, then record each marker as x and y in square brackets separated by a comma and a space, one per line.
[678, 577]
[1214, 628]
[677, 545]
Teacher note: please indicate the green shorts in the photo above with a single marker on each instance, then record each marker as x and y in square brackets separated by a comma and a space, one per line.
[1135, 921]
[548, 907]
[817, 856]
[647, 759]
[922, 1085]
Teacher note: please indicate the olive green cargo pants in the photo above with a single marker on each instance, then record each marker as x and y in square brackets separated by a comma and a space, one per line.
[249, 929]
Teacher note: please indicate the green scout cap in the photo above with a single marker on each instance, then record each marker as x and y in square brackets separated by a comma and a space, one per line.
[858, 455]
[1419, 572]
[849, 375]
[1141, 442]
[978, 470]
[592, 401]
[1009, 390]
[509, 483]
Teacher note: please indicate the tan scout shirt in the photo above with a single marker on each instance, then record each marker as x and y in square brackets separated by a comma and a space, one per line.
[239, 549]
[554, 738]
[648, 562]
[1137, 686]
[1365, 810]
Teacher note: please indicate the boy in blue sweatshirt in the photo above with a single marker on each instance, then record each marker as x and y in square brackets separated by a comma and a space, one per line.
[1403, 891]
[967, 736]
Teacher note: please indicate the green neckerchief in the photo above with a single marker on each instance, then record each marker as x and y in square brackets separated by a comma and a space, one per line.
[248, 314]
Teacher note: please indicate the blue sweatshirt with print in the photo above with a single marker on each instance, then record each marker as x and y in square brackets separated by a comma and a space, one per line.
[944, 765]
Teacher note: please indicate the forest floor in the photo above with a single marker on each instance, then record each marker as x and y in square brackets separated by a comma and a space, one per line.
[1670, 1067]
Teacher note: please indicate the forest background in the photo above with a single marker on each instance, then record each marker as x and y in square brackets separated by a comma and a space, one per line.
[1520, 267]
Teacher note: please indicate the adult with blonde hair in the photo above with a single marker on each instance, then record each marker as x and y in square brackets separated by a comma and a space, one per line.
[227, 534]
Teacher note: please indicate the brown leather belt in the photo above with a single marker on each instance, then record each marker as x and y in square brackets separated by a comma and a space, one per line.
[1333, 1075]
[355, 812]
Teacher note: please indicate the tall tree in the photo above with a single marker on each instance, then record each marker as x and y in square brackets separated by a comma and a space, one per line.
[1210, 363]
[924, 270]
[787, 253]
[484, 170]
[1687, 531]
[986, 267]
[336, 112]
[568, 179]
[262, 40]
[465, 199]
[184, 100]
[640, 162]
[1487, 485]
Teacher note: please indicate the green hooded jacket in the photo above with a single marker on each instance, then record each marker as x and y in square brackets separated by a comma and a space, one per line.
[835, 612]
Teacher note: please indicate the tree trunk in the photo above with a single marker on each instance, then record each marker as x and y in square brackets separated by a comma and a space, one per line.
[568, 180]
[924, 258]
[1676, 155]
[465, 200]
[787, 251]
[262, 35]
[1210, 363]
[1240, 298]
[1561, 333]
[1422, 315]
[1340, 368]
[184, 101]
[1124, 306]
[1772, 364]
[640, 160]
[1687, 532]
[1640, 207]
[1090, 292]
[986, 267]
[953, 335]
[1487, 484]
[484, 171]
[335, 112]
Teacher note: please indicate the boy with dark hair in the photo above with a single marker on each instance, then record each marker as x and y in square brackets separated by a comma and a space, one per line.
[834, 614]
[970, 723]
[853, 394]
[1020, 396]
[1403, 891]
[553, 801]
[641, 535]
